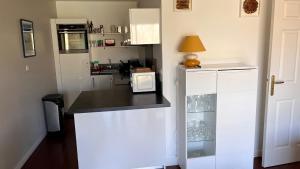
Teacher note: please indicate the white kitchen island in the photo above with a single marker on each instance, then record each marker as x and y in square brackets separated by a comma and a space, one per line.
[120, 130]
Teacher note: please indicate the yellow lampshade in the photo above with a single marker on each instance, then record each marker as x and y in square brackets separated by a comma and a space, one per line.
[191, 44]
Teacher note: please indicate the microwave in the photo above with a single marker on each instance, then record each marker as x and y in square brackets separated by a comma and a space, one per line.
[143, 82]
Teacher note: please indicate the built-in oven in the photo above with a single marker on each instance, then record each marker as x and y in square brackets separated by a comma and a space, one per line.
[72, 38]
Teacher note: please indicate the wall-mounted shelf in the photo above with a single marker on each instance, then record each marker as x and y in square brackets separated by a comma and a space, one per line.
[103, 47]
[107, 33]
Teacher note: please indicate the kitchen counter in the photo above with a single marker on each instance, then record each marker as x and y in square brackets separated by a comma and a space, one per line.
[116, 99]
[116, 125]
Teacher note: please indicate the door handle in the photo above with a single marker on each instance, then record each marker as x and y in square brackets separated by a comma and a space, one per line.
[273, 83]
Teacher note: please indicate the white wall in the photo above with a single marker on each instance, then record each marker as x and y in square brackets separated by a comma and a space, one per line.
[105, 13]
[227, 38]
[149, 4]
[22, 123]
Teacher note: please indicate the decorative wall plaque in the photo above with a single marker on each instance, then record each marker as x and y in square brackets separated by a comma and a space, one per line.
[27, 33]
[182, 5]
[250, 7]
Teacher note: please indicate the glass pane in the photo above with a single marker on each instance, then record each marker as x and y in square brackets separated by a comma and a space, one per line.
[201, 125]
[201, 103]
[201, 149]
[76, 41]
[199, 130]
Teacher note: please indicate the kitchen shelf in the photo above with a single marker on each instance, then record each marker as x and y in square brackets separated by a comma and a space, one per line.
[199, 153]
[107, 33]
[114, 46]
[208, 140]
[200, 112]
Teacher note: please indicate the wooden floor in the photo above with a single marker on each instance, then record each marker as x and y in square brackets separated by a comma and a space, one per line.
[61, 153]
[257, 165]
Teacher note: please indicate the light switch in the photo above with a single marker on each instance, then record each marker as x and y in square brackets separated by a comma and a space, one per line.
[27, 68]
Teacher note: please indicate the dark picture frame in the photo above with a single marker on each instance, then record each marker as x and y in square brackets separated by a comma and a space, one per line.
[28, 41]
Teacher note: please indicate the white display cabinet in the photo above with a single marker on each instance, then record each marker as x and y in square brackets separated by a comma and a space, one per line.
[216, 116]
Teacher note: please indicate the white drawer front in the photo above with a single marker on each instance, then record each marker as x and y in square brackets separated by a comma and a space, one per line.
[202, 163]
[237, 80]
[202, 82]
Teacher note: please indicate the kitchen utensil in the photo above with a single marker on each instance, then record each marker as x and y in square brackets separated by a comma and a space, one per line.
[113, 28]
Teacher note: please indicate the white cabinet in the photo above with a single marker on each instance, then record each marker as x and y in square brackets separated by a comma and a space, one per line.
[144, 26]
[75, 75]
[102, 82]
[236, 119]
[128, 139]
[72, 69]
[216, 116]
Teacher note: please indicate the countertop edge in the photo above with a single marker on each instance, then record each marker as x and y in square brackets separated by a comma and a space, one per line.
[123, 108]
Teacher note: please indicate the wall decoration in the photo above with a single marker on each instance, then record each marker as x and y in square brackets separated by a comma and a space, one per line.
[249, 8]
[27, 33]
[182, 5]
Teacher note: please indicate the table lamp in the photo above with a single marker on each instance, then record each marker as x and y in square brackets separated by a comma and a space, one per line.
[190, 45]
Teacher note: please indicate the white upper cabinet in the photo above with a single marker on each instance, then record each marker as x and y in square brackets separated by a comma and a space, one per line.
[144, 26]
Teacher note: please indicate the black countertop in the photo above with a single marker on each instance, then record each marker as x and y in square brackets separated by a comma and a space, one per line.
[118, 98]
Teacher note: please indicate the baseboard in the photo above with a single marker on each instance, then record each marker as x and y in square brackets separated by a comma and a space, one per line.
[257, 153]
[171, 161]
[30, 151]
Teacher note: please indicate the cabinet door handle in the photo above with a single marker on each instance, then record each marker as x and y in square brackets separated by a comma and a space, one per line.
[273, 83]
[93, 82]
[111, 82]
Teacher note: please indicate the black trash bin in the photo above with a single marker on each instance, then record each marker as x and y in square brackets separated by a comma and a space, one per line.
[54, 113]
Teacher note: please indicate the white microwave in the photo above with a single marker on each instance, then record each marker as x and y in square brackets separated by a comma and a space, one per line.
[143, 82]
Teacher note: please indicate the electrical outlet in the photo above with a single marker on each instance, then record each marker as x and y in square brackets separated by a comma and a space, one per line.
[27, 68]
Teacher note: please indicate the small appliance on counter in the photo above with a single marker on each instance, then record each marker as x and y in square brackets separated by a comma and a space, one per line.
[143, 80]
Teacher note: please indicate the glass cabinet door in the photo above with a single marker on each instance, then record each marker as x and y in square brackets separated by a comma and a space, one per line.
[201, 125]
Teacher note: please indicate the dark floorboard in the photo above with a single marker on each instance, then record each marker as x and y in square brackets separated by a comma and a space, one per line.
[56, 153]
[257, 165]
[61, 153]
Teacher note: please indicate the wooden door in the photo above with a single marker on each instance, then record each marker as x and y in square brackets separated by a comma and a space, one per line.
[282, 120]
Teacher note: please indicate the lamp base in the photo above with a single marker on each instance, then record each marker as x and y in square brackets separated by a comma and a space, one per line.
[191, 61]
[191, 56]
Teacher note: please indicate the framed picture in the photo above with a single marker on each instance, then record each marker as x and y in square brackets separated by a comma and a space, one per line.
[182, 5]
[249, 8]
[27, 34]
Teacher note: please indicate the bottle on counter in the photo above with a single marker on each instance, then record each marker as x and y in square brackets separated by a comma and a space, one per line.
[102, 29]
